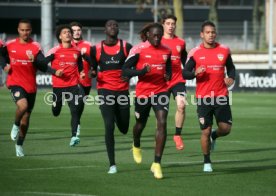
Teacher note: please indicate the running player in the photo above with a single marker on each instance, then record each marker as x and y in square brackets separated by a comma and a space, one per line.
[176, 85]
[153, 66]
[108, 56]
[207, 62]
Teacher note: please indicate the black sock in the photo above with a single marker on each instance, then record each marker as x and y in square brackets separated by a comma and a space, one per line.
[178, 130]
[17, 123]
[136, 143]
[20, 141]
[214, 135]
[207, 158]
[157, 159]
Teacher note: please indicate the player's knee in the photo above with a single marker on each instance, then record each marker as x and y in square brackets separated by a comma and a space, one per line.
[181, 108]
[225, 129]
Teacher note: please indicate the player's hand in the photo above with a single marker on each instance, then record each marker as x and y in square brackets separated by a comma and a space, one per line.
[146, 69]
[82, 75]
[59, 73]
[228, 81]
[167, 77]
[124, 78]
[7, 68]
[200, 70]
[93, 73]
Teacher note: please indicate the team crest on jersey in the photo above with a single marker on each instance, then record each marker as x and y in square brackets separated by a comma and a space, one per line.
[137, 115]
[202, 121]
[178, 48]
[30, 55]
[17, 94]
[165, 57]
[220, 57]
[83, 50]
[29, 52]
[75, 56]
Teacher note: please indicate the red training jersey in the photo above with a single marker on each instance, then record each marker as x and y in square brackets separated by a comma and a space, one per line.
[84, 47]
[23, 71]
[211, 82]
[110, 60]
[137, 48]
[154, 81]
[66, 59]
[177, 46]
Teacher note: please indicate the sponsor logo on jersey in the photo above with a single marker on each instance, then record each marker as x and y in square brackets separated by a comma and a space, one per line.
[202, 58]
[178, 48]
[148, 56]
[13, 51]
[220, 57]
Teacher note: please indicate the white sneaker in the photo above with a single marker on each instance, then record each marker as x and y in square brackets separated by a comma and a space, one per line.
[112, 170]
[207, 167]
[74, 141]
[19, 151]
[14, 132]
[78, 130]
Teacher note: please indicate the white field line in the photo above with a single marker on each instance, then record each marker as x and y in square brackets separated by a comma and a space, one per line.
[191, 162]
[53, 168]
[55, 194]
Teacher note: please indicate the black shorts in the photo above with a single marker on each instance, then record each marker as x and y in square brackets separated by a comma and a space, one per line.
[159, 101]
[72, 94]
[206, 111]
[86, 89]
[109, 98]
[178, 89]
[18, 93]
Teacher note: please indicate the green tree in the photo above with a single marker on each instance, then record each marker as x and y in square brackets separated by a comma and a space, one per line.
[259, 24]
[165, 7]
[213, 12]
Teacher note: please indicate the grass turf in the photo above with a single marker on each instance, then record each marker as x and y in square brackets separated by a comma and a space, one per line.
[244, 162]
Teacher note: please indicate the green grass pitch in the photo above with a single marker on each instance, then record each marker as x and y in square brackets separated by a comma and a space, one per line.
[244, 162]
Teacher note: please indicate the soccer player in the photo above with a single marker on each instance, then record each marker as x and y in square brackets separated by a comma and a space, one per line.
[22, 57]
[84, 47]
[176, 85]
[207, 62]
[144, 43]
[68, 58]
[108, 57]
[152, 65]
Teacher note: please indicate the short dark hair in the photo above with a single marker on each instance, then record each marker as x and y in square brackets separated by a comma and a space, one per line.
[27, 21]
[169, 16]
[59, 28]
[76, 24]
[207, 23]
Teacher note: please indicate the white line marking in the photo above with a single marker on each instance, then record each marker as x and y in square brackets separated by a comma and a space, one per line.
[57, 194]
[191, 162]
[53, 168]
